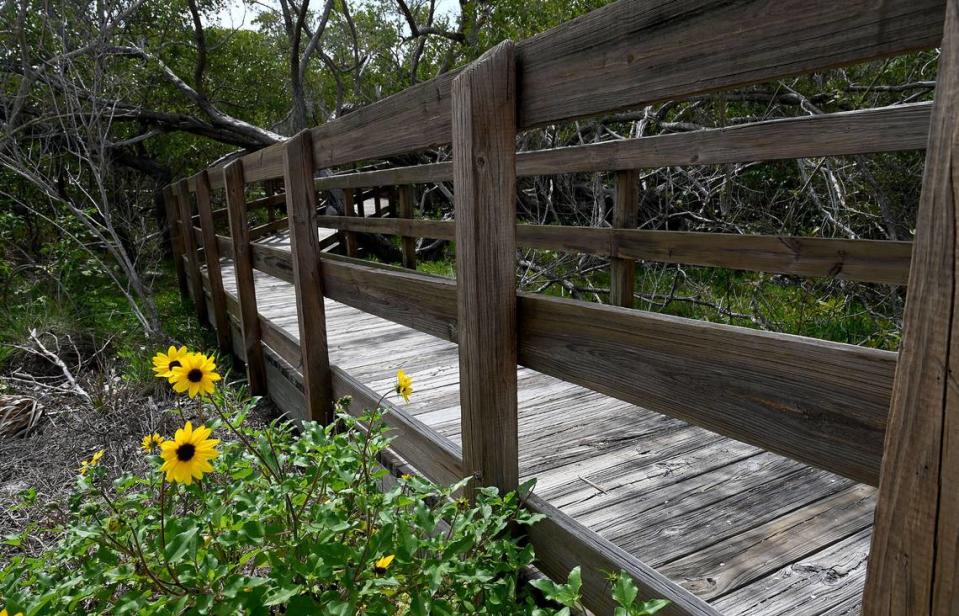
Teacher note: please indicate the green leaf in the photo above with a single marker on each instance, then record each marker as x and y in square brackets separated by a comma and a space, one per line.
[182, 543]
[624, 590]
[282, 595]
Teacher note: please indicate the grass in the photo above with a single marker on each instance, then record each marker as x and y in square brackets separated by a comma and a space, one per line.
[94, 313]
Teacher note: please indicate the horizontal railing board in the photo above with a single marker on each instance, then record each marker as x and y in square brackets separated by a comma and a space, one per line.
[819, 402]
[268, 228]
[868, 131]
[877, 261]
[883, 129]
[416, 174]
[863, 260]
[629, 54]
[632, 53]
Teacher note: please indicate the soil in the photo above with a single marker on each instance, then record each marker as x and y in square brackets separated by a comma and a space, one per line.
[71, 430]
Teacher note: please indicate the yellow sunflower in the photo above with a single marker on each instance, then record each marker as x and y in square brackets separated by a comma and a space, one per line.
[384, 563]
[3, 612]
[404, 385]
[164, 363]
[151, 442]
[196, 375]
[187, 456]
[87, 465]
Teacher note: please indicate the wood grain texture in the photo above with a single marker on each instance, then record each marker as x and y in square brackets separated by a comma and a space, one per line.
[307, 275]
[863, 260]
[211, 253]
[629, 54]
[349, 205]
[406, 197]
[561, 544]
[170, 209]
[269, 228]
[484, 176]
[822, 403]
[190, 251]
[914, 563]
[622, 272]
[243, 271]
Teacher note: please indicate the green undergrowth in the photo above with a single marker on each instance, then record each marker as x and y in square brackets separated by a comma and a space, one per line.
[286, 521]
[88, 310]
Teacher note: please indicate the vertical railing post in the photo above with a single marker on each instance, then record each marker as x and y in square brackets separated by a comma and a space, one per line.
[307, 276]
[913, 564]
[176, 243]
[622, 272]
[190, 249]
[404, 209]
[235, 185]
[211, 252]
[349, 209]
[484, 177]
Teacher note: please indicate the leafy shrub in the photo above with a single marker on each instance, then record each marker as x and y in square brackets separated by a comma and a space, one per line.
[290, 521]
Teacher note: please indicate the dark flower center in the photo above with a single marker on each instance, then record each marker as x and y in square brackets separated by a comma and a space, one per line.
[174, 364]
[195, 375]
[185, 452]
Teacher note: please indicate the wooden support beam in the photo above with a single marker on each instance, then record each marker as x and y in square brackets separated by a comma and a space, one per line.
[190, 251]
[307, 276]
[243, 271]
[914, 560]
[377, 204]
[349, 210]
[171, 206]
[404, 209]
[211, 252]
[484, 174]
[622, 272]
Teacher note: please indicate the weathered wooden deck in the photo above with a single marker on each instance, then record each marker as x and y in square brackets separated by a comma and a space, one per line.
[749, 531]
[714, 525]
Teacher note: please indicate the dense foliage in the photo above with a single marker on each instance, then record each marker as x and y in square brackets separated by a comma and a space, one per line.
[288, 521]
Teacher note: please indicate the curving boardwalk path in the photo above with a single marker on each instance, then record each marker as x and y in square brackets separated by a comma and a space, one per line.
[751, 532]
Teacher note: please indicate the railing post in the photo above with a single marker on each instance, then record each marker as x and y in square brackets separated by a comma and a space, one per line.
[235, 185]
[914, 560]
[211, 252]
[404, 209]
[484, 177]
[307, 276]
[190, 249]
[349, 209]
[622, 272]
[176, 242]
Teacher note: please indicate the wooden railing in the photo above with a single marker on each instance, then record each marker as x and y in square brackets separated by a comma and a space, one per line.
[823, 403]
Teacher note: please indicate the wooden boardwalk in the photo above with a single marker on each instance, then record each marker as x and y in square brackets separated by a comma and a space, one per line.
[749, 531]
[717, 524]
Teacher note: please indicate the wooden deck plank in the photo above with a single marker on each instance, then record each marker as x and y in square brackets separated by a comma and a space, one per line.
[830, 579]
[745, 529]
